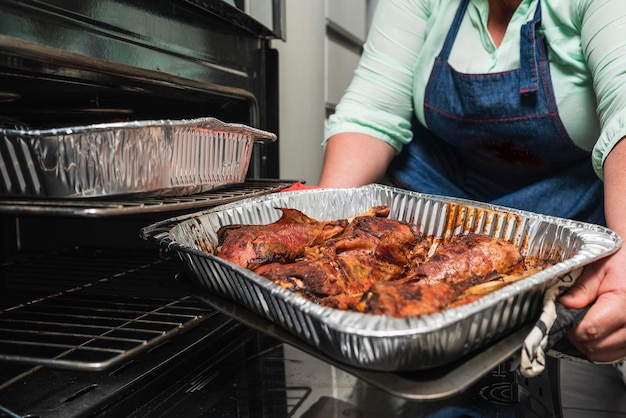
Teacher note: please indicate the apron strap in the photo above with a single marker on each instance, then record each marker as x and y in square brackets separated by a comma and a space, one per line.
[528, 54]
[454, 29]
[528, 47]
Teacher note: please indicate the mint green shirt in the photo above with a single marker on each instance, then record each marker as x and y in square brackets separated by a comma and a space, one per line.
[587, 52]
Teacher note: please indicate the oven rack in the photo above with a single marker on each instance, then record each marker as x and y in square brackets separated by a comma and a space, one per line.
[91, 310]
[136, 204]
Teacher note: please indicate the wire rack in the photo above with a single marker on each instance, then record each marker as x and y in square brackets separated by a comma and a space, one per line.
[92, 309]
[130, 205]
[89, 311]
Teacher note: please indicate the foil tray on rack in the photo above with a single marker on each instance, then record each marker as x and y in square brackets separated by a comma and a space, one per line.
[155, 158]
[376, 342]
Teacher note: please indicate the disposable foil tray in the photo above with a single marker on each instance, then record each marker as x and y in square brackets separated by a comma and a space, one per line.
[377, 342]
[156, 157]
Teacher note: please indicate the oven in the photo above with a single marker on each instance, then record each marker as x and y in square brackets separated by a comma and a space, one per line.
[95, 321]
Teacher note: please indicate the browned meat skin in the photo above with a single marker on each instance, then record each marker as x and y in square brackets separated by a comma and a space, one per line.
[391, 240]
[361, 270]
[349, 274]
[379, 211]
[410, 299]
[398, 298]
[314, 278]
[282, 241]
[399, 242]
[343, 302]
[380, 227]
[467, 259]
[370, 249]
[463, 301]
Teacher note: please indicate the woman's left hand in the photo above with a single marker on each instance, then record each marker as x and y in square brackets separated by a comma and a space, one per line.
[601, 335]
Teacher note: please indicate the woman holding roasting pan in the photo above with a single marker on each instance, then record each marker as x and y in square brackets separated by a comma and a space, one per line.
[520, 103]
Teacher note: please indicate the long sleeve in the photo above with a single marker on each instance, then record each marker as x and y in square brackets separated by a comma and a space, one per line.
[603, 35]
[378, 102]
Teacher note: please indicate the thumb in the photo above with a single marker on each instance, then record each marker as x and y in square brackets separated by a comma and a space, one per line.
[583, 292]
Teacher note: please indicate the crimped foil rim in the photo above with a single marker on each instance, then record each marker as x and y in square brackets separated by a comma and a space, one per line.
[207, 122]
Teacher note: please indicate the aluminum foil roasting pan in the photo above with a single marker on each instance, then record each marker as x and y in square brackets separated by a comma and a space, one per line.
[378, 342]
[155, 157]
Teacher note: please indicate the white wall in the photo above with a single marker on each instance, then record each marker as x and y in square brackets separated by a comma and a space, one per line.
[301, 95]
[314, 72]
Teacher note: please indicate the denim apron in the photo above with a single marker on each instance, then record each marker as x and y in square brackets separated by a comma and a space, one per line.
[498, 138]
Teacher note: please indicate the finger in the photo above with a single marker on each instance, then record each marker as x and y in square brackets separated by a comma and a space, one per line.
[607, 350]
[584, 291]
[601, 335]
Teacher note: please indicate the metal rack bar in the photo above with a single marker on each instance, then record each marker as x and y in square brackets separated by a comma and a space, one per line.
[132, 205]
[94, 319]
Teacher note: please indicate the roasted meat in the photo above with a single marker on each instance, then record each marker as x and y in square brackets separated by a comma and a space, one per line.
[388, 239]
[373, 264]
[251, 246]
[370, 249]
[309, 278]
[468, 259]
[350, 274]
[402, 300]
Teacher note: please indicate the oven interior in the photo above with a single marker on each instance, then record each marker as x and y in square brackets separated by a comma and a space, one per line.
[93, 320]
[89, 330]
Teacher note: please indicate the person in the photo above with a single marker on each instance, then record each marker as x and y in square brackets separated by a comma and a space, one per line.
[520, 103]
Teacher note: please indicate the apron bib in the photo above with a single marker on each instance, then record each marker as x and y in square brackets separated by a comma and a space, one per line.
[498, 138]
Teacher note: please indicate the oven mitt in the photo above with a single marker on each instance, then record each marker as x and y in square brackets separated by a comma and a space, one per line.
[298, 186]
[548, 332]
[547, 336]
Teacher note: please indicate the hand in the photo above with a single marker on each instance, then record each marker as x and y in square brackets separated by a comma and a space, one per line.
[601, 335]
